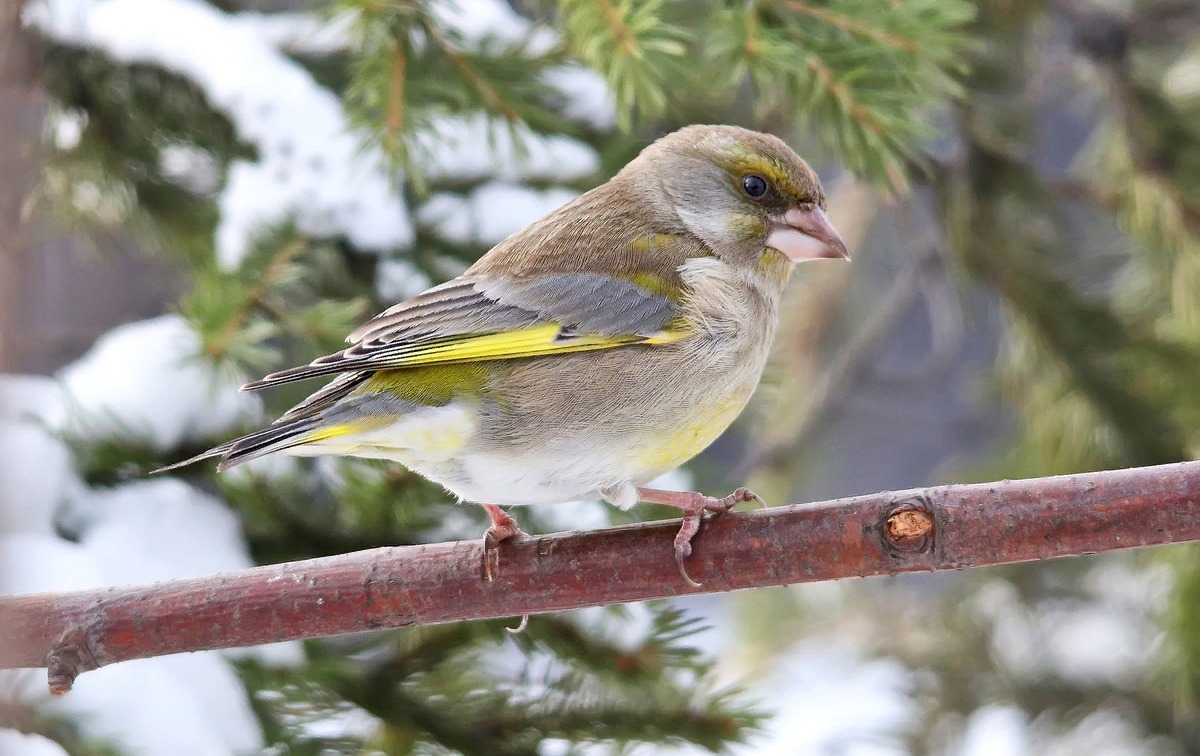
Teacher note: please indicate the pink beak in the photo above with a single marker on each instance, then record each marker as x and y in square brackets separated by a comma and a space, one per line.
[806, 234]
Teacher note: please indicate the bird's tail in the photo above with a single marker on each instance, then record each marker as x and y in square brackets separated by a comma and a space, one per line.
[254, 445]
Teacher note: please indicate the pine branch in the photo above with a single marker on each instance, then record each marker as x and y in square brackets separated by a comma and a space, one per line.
[394, 115]
[629, 43]
[939, 528]
[217, 347]
[492, 99]
[851, 25]
[864, 75]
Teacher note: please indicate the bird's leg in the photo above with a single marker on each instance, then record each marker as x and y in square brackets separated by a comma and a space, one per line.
[503, 527]
[693, 505]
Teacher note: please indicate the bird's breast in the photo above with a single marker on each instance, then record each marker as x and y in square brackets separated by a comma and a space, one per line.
[730, 315]
[676, 442]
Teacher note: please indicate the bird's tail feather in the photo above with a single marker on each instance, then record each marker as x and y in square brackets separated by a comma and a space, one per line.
[253, 445]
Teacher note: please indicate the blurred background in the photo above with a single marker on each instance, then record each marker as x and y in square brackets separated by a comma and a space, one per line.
[196, 192]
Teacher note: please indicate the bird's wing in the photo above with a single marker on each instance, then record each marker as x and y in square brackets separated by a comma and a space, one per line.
[482, 318]
[325, 397]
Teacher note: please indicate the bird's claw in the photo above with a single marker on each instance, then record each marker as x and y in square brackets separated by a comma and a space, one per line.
[683, 540]
[682, 552]
[521, 627]
[693, 512]
[503, 528]
[751, 496]
[726, 503]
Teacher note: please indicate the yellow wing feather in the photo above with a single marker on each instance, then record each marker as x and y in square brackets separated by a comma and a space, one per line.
[536, 341]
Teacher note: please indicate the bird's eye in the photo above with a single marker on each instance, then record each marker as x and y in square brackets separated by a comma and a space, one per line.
[754, 185]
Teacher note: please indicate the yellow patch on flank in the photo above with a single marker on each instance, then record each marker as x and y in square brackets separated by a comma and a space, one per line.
[437, 442]
[346, 429]
[667, 450]
[432, 434]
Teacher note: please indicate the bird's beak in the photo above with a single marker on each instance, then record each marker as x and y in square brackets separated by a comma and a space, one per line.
[805, 233]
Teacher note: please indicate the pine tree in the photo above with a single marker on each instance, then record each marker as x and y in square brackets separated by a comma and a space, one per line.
[451, 109]
[444, 111]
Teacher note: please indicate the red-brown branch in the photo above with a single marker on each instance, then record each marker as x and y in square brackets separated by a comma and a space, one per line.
[941, 528]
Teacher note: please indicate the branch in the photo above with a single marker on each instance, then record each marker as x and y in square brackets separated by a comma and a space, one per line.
[851, 25]
[491, 97]
[394, 114]
[620, 29]
[940, 528]
[279, 260]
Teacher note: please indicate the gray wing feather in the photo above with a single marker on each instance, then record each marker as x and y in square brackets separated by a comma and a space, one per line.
[579, 303]
[433, 309]
[325, 397]
[590, 303]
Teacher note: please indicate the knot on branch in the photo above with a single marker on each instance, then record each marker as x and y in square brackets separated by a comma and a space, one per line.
[71, 656]
[908, 526]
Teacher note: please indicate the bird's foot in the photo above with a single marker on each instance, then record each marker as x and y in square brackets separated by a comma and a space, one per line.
[503, 527]
[694, 506]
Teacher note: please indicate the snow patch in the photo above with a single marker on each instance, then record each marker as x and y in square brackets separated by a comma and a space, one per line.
[160, 529]
[297, 31]
[20, 744]
[996, 731]
[479, 23]
[144, 380]
[586, 95]
[138, 533]
[350, 722]
[185, 705]
[1094, 644]
[475, 147]
[819, 693]
[190, 167]
[312, 167]
[31, 399]
[1083, 642]
[35, 467]
[274, 468]
[66, 127]
[482, 25]
[1182, 79]
[1102, 733]
[36, 563]
[628, 625]
[490, 213]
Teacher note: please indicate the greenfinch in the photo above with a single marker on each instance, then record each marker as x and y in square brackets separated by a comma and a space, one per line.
[588, 353]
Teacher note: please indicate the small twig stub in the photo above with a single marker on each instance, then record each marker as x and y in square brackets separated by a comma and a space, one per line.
[908, 527]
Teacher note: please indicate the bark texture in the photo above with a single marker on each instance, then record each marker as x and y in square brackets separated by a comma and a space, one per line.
[939, 528]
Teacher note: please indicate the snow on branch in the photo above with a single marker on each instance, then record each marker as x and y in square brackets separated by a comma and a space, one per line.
[939, 528]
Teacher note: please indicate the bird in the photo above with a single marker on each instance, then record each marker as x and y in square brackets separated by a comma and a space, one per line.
[588, 353]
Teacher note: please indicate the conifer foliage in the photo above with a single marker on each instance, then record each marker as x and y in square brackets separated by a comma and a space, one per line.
[303, 165]
[309, 166]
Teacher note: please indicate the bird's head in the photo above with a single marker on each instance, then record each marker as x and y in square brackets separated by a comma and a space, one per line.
[747, 195]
